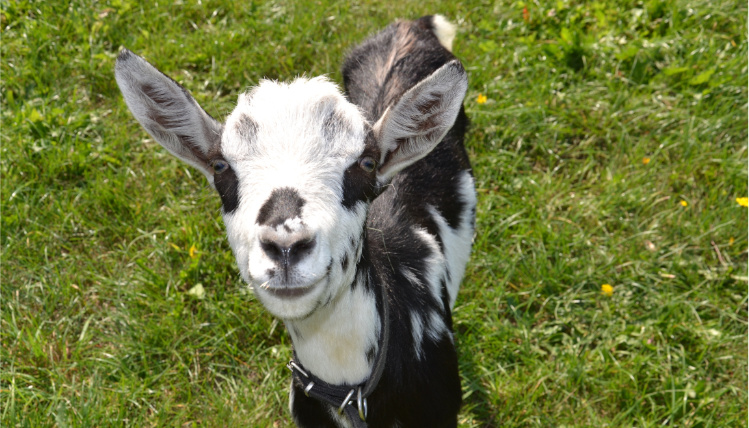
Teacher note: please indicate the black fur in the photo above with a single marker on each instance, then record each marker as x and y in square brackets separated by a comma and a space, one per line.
[227, 186]
[309, 412]
[334, 124]
[420, 386]
[358, 184]
[246, 128]
[282, 204]
[416, 53]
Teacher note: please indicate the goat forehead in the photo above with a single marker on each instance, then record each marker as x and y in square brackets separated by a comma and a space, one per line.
[306, 120]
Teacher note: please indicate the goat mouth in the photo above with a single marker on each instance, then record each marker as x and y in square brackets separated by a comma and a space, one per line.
[287, 291]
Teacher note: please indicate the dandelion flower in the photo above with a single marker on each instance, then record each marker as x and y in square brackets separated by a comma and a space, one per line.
[481, 99]
[645, 161]
[193, 250]
[607, 290]
[683, 203]
[744, 202]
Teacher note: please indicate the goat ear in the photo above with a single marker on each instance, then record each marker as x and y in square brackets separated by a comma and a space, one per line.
[168, 112]
[418, 121]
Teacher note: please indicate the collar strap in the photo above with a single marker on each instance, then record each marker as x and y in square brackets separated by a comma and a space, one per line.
[351, 399]
[347, 398]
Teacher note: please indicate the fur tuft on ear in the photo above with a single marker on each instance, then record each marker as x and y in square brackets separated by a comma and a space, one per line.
[418, 121]
[168, 112]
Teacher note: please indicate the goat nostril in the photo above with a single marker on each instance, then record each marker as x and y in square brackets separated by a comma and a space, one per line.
[300, 249]
[272, 250]
[287, 255]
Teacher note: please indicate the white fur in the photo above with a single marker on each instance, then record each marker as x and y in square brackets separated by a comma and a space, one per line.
[444, 30]
[457, 242]
[435, 262]
[417, 330]
[333, 341]
[436, 270]
[450, 264]
[289, 150]
[342, 421]
[411, 277]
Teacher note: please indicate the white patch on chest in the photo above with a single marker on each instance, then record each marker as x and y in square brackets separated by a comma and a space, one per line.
[333, 342]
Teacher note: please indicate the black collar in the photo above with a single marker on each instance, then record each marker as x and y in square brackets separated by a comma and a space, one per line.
[351, 399]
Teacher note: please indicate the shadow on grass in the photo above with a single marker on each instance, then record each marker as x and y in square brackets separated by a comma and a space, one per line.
[477, 404]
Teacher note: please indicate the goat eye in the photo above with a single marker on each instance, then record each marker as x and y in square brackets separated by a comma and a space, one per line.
[219, 166]
[367, 164]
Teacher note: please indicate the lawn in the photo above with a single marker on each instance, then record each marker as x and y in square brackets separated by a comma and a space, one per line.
[608, 281]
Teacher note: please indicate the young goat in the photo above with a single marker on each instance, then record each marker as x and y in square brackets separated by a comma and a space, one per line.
[351, 216]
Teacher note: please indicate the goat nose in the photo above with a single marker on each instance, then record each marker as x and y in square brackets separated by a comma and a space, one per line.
[287, 255]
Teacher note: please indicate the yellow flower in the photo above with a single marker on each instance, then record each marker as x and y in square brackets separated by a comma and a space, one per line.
[744, 202]
[481, 99]
[193, 250]
[683, 203]
[730, 241]
[607, 290]
[645, 161]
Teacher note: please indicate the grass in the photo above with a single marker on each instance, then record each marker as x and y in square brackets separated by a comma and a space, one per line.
[610, 149]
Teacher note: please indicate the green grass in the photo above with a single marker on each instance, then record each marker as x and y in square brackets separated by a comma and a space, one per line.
[97, 325]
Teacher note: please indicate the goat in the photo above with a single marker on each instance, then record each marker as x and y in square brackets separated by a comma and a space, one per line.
[350, 215]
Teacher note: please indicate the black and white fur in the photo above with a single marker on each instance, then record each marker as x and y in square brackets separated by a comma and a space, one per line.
[327, 198]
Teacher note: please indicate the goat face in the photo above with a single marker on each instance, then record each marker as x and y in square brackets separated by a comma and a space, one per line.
[295, 201]
[296, 166]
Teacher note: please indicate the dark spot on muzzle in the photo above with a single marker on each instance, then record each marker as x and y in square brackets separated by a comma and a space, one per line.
[283, 204]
